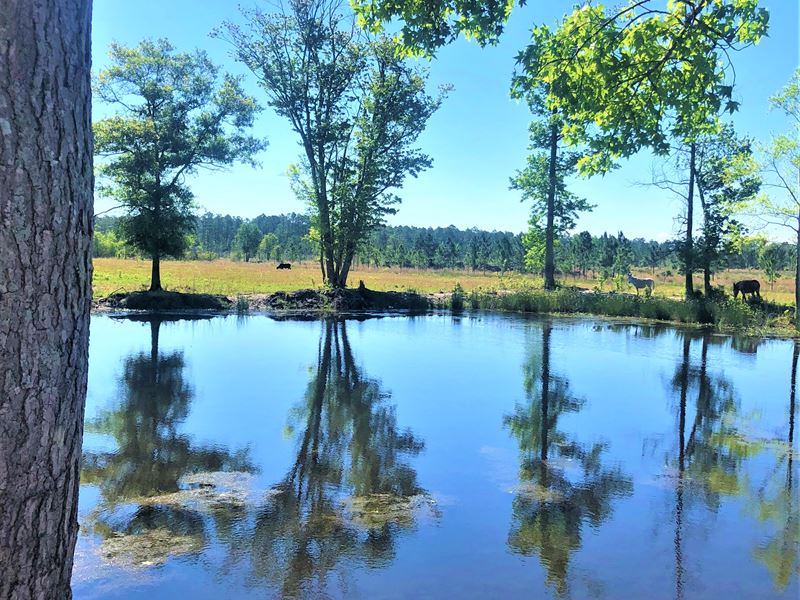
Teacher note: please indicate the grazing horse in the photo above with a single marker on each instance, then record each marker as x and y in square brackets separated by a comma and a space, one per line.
[640, 283]
[284, 266]
[747, 286]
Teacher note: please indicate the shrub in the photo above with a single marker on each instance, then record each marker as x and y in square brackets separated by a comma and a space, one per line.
[457, 298]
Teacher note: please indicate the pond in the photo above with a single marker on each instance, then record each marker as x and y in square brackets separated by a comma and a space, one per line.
[438, 456]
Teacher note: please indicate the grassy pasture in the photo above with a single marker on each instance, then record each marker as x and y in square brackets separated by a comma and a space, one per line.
[232, 278]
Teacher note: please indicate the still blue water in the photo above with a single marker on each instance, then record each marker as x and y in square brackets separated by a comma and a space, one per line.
[436, 457]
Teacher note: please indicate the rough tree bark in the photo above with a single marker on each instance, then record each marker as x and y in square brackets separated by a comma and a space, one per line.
[46, 187]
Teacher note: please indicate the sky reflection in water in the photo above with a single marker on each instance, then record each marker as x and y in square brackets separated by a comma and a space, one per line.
[436, 456]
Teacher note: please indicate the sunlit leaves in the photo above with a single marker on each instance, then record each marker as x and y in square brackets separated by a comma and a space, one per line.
[428, 25]
[638, 77]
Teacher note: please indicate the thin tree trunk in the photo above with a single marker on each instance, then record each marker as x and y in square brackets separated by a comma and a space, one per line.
[155, 274]
[792, 401]
[707, 291]
[797, 277]
[348, 261]
[322, 264]
[46, 187]
[547, 328]
[549, 234]
[688, 259]
[678, 541]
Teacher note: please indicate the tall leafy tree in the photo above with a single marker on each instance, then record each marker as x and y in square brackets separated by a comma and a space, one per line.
[542, 181]
[45, 287]
[357, 106]
[725, 184]
[644, 77]
[781, 169]
[175, 115]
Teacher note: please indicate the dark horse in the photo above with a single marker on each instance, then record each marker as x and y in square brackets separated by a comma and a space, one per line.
[748, 286]
[284, 266]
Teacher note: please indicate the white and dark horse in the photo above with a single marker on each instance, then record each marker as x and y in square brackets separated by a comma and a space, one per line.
[641, 283]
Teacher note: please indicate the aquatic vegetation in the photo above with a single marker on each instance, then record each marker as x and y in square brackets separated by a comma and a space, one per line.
[380, 509]
[212, 490]
[149, 548]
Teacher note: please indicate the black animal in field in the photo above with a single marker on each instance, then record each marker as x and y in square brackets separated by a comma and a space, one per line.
[747, 286]
[284, 266]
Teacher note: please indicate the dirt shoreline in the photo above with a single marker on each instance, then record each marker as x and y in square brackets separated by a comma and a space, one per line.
[304, 301]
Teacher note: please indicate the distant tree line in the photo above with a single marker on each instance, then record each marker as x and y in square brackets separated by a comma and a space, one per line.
[286, 237]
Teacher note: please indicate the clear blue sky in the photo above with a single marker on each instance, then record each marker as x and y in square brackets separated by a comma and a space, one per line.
[477, 139]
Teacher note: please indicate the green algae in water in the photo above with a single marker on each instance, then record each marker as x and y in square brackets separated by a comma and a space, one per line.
[377, 510]
[147, 549]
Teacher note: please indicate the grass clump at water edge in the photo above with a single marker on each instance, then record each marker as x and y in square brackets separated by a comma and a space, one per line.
[723, 314]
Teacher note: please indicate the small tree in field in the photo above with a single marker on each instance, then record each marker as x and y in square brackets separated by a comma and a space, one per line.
[768, 260]
[265, 246]
[358, 107]
[246, 240]
[725, 184]
[174, 115]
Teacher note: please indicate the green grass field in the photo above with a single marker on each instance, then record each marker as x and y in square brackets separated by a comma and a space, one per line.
[231, 278]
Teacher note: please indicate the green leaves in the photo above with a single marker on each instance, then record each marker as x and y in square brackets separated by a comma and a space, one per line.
[357, 106]
[534, 181]
[174, 115]
[639, 76]
[428, 25]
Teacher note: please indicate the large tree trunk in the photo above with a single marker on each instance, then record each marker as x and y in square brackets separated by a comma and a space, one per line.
[688, 258]
[549, 234]
[46, 187]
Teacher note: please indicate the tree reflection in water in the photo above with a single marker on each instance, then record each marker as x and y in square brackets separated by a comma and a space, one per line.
[775, 499]
[553, 502]
[349, 491]
[150, 459]
[347, 495]
[713, 447]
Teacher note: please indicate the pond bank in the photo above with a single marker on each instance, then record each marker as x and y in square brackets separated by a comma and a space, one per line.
[726, 315]
[305, 300]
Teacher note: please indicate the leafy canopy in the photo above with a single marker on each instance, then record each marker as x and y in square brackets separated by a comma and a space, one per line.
[357, 106]
[781, 163]
[640, 76]
[623, 78]
[174, 114]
